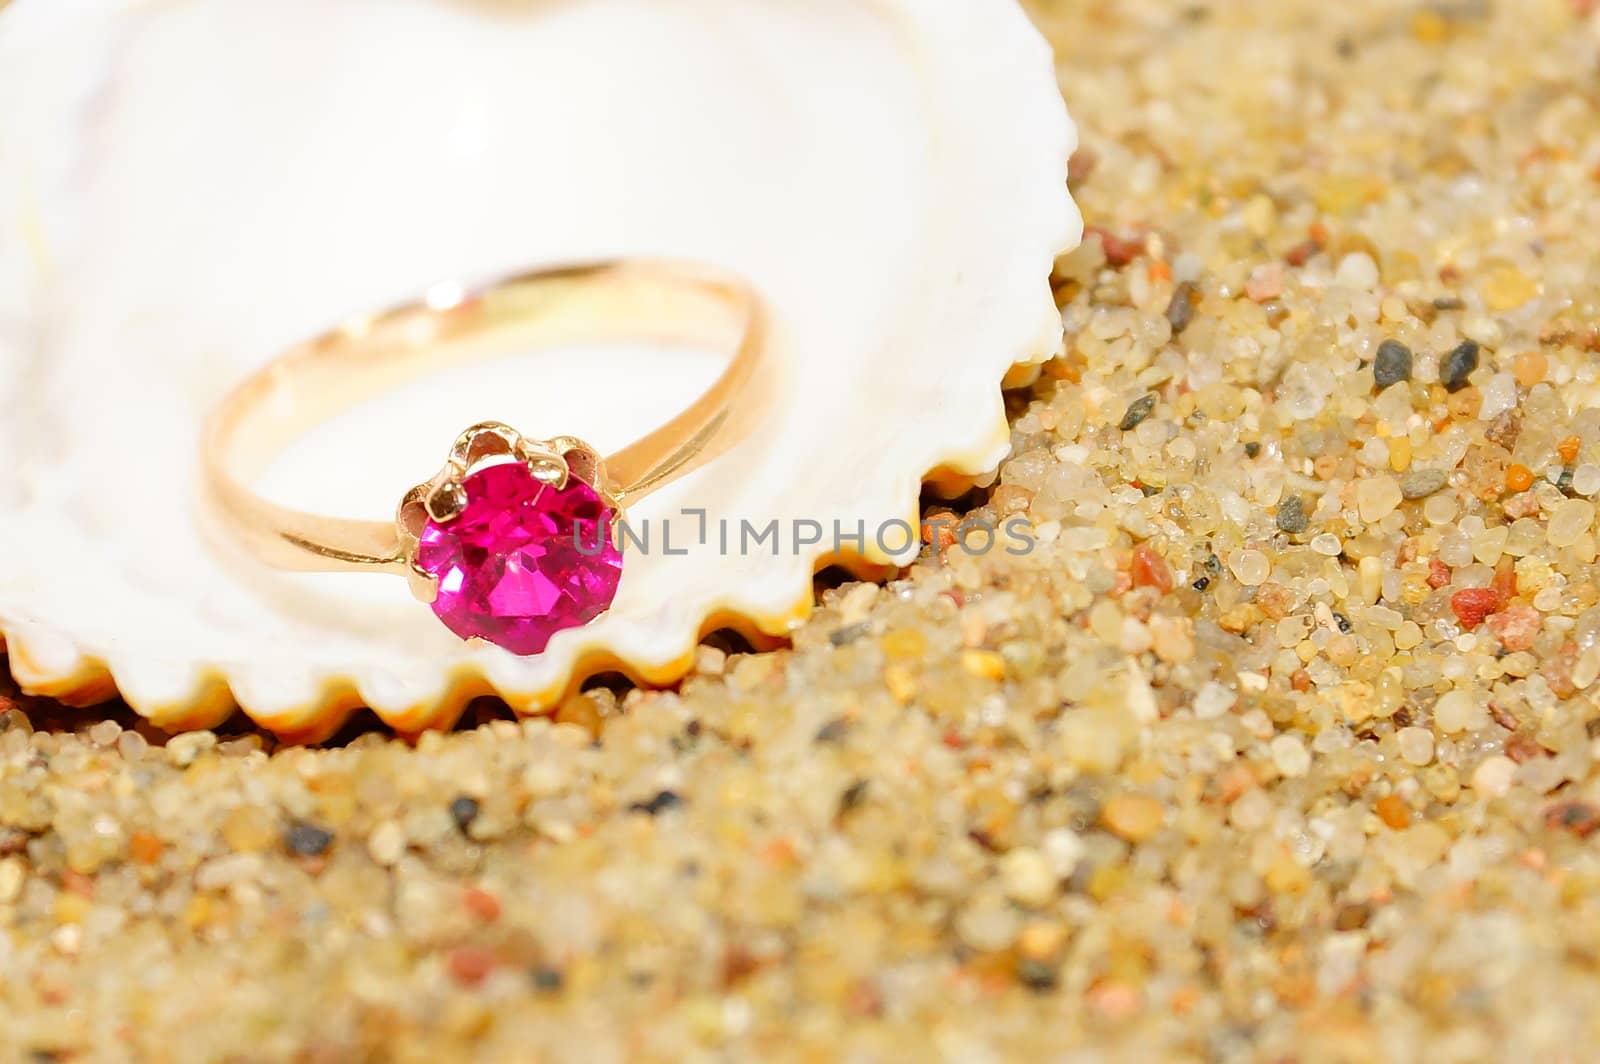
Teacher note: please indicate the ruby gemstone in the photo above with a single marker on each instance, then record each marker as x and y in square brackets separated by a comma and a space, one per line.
[523, 560]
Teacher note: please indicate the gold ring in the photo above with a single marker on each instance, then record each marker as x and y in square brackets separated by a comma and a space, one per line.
[516, 537]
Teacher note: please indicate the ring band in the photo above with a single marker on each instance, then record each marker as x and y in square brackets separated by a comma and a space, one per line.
[514, 538]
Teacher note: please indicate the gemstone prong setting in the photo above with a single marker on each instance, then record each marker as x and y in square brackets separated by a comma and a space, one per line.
[515, 539]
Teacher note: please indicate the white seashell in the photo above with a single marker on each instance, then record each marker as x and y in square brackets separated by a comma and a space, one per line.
[188, 186]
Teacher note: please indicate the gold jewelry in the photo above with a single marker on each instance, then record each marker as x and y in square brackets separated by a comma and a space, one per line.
[514, 538]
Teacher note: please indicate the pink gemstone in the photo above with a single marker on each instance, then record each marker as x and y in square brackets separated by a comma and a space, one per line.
[523, 560]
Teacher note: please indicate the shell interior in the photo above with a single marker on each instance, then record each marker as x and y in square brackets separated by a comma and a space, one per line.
[891, 175]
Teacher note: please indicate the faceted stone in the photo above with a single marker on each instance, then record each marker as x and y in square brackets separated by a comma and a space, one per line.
[523, 560]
